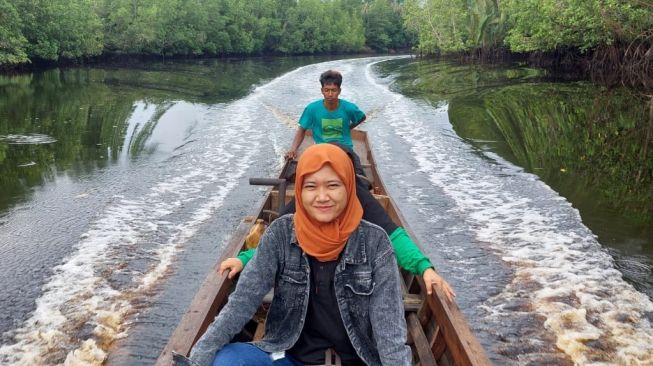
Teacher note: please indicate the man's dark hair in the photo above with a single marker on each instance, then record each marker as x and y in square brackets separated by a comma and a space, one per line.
[331, 77]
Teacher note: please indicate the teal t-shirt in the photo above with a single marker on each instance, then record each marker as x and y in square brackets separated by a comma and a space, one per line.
[329, 126]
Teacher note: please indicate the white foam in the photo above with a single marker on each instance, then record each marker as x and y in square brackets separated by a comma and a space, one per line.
[80, 294]
[542, 239]
[27, 139]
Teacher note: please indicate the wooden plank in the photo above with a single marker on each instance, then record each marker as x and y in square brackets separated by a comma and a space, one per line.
[461, 342]
[419, 339]
[445, 360]
[437, 342]
[412, 302]
[290, 195]
[260, 331]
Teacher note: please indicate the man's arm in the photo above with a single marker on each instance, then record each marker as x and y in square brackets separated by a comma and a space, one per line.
[354, 125]
[296, 141]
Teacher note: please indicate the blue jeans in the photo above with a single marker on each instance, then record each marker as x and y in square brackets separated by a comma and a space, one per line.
[245, 354]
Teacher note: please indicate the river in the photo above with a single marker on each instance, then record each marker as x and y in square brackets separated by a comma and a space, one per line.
[120, 185]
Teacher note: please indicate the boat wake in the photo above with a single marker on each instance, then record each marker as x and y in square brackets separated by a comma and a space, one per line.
[562, 278]
[89, 300]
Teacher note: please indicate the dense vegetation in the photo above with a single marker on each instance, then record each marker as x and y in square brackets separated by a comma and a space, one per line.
[527, 25]
[75, 29]
[32, 30]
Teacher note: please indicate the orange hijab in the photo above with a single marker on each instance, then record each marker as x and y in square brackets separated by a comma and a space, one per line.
[325, 241]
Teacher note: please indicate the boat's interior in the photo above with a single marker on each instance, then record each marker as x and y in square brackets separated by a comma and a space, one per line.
[438, 334]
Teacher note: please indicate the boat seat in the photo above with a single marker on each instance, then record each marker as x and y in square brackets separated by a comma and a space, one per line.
[331, 358]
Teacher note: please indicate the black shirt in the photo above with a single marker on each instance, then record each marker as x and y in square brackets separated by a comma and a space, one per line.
[323, 327]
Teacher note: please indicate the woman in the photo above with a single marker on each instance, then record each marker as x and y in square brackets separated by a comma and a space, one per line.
[335, 280]
[409, 256]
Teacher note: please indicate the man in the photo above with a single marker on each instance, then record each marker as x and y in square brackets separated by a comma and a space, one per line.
[330, 119]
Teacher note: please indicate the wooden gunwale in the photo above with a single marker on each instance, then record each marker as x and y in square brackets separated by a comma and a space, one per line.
[438, 332]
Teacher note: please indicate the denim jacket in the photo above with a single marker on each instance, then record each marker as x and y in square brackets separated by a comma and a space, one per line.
[367, 287]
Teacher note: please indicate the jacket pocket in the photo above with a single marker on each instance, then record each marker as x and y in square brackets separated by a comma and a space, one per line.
[296, 277]
[360, 283]
[292, 288]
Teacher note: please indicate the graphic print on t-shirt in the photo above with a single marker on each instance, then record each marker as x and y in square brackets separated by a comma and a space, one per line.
[331, 128]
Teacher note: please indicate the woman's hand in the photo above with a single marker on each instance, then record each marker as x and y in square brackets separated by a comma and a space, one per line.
[234, 265]
[431, 278]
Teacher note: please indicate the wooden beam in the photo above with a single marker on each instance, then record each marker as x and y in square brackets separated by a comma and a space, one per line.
[422, 345]
[412, 302]
[461, 342]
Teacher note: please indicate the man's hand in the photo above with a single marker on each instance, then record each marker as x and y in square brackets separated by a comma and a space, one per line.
[234, 265]
[431, 278]
[296, 143]
[291, 154]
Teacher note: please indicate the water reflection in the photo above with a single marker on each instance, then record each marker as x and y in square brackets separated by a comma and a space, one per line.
[75, 121]
[109, 187]
[587, 142]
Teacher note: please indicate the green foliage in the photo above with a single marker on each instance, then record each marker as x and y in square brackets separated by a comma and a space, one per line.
[228, 27]
[61, 29]
[545, 25]
[525, 25]
[439, 24]
[133, 27]
[348, 32]
[383, 25]
[485, 24]
[315, 26]
[458, 25]
[183, 27]
[81, 28]
[72, 29]
[12, 41]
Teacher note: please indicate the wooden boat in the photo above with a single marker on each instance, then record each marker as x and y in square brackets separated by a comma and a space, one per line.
[437, 331]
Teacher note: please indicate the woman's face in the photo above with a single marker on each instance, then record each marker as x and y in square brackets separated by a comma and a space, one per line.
[324, 195]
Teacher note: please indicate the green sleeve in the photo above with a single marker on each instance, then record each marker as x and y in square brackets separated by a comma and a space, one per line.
[246, 255]
[408, 254]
